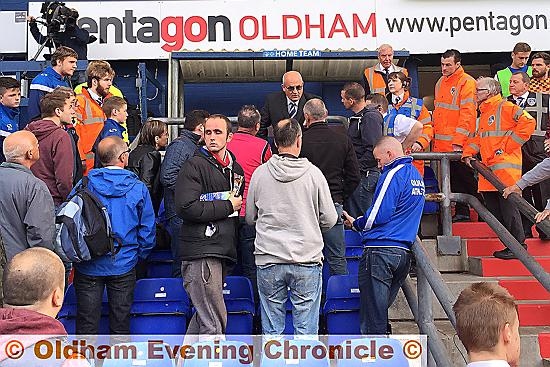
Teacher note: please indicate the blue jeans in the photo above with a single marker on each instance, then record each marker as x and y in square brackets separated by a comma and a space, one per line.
[361, 199]
[304, 281]
[382, 271]
[335, 246]
[245, 254]
[174, 226]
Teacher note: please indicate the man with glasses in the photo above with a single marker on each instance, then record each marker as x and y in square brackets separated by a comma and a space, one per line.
[503, 128]
[133, 222]
[288, 103]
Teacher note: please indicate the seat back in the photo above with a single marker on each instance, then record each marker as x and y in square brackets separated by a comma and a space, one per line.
[159, 264]
[300, 352]
[341, 307]
[239, 302]
[226, 353]
[139, 354]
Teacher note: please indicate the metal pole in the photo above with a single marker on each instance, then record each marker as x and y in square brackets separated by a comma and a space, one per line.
[173, 95]
[446, 218]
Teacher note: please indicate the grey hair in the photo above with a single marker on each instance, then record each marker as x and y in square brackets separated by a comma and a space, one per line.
[491, 84]
[15, 153]
[316, 108]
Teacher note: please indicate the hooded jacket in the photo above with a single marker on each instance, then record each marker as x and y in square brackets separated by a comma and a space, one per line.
[207, 229]
[56, 164]
[290, 202]
[132, 218]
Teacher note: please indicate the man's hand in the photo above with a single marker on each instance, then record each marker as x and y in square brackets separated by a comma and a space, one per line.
[31, 19]
[416, 148]
[348, 219]
[467, 161]
[510, 189]
[539, 217]
[236, 201]
[457, 148]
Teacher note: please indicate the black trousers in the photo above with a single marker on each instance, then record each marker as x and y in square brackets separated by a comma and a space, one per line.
[506, 213]
[463, 181]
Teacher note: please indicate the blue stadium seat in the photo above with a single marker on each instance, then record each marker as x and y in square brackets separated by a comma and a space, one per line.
[224, 353]
[341, 307]
[352, 238]
[159, 264]
[315, 354]
[432, 186]
[397, 360]
[138, 355]
[353, 256]
[239, 302]
[67, 314]
[161, 307]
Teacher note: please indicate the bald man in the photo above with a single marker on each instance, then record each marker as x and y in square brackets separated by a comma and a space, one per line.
[287, 103]
[27, 217]
[133, 222]
[388, 230]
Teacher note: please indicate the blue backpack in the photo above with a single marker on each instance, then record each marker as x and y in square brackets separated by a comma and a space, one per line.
[84, 227]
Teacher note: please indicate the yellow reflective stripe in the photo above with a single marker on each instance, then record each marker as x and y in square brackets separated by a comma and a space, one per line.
[495, 134]
[462, 131]
[90, 155]
[517, 139]
[426, 120]
[498, 116]
[498, 166]
[370, 79]
[90, 120]
[447, 106]
[474, 146]
[518, 114]
[443, 137]
[425, 137]
[467, 100]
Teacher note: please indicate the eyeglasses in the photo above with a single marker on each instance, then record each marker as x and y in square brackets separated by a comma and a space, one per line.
[291, 88]
[121, 154]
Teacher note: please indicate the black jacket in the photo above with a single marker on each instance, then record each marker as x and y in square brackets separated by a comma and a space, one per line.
[365, 129]
[332, 152]
[73, 37]
[202, 174]
[144, 161]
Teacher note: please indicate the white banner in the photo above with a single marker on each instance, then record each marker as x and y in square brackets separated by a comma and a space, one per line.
[150, 30]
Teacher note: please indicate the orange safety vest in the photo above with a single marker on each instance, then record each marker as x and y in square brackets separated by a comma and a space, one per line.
[90, 123]
[454, 115]
[503, 129]
[376, 80]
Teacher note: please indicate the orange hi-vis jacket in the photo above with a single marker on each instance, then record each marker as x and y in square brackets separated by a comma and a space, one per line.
[376, 80]
[90, 123]
[503, 129]
[454, 116]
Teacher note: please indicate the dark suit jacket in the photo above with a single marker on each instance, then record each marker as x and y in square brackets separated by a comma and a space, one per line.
[275, 109]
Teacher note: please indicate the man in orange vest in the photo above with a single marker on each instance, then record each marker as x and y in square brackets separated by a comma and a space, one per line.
[454, 118]
[375, 78]
[503, 129]
[89, 113]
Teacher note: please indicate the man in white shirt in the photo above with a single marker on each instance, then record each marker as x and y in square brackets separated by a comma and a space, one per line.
[487, 324]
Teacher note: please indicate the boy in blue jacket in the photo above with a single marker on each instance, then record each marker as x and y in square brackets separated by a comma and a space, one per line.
[10, 97]
[116, 110]
[388, 230]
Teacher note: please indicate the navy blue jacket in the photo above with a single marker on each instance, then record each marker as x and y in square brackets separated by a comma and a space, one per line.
[8, 125]
[394, 216]
[43, 83]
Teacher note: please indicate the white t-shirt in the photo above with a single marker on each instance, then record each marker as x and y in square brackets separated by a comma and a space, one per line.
[493, 363]
[402, 126]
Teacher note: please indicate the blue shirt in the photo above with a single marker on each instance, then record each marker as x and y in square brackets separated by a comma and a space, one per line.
[43, 83]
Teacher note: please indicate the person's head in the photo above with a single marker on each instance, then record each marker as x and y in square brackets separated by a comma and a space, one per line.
[113, 151]
[520, 55]
[248, 119]
[288, 136]
[59, 105]
[486, 88]
[386, 150]
[540, 62]
[64, 61]
[154, 133]
[450, 62]
[353, 95]
[379, 101]
[115, 108]
[385, 55]
[21, 147]
[217, 133]
[100, 78]
[293, 85]
[194, 121]
[10, 92]
[398, 83]
[487, 322]
[34, 279]
[314, 111]
[519, 83]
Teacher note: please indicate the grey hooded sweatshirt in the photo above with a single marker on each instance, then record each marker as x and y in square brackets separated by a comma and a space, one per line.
[290, 202]
[536, 175]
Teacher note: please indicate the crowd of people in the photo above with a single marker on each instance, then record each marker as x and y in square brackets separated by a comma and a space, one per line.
[276, 209]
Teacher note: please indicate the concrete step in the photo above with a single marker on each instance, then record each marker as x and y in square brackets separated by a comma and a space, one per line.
[486, 246]
[544, 343]
[493, 267]
[473, 230]
[534, 313]
[525, 288]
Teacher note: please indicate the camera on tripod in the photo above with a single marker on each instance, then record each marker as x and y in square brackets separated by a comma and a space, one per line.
[57, 16]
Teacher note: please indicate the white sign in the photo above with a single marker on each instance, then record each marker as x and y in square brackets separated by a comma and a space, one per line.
[13, 23]
[149, 30]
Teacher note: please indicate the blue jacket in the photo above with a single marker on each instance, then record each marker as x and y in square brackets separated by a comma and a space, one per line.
[394, 216]
[132, 217]
[8, 125]
[43, 83]
[110, 128]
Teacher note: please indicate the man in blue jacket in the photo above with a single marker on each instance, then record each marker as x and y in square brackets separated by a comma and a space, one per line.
[388, 230]
[10, 97]
[133, 220]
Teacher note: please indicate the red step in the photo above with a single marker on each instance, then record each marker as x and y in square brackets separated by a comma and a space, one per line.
[486, 246]
[534, 314]
[493, 267]
[525, 289]
[544, 345]
[473, 230]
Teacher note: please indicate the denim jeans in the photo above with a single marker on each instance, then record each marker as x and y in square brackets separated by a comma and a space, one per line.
[304, 282]
[245, 254]
[361, 199]
[335, 246]
[382, 271]
[89, 295]
[174, 226]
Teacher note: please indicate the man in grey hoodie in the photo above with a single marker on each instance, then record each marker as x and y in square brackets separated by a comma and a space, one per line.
[290, 202]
